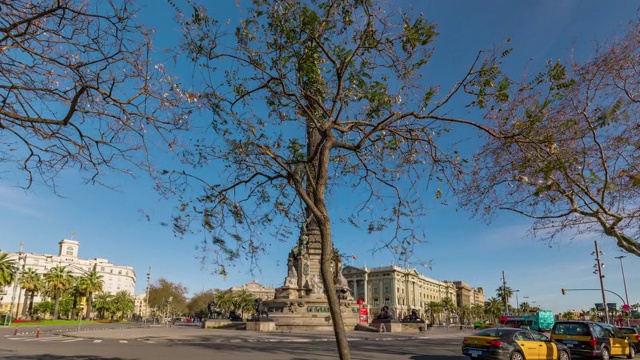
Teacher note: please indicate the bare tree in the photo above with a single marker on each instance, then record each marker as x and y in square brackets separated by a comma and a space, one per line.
[571, 159]
[308, 101]
[78, 88]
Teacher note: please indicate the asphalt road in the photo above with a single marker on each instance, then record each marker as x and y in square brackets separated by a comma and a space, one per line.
[229, 346]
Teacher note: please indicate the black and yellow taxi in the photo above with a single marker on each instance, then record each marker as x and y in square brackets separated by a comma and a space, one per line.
[513, 344]
[592, 339]
[633, 333]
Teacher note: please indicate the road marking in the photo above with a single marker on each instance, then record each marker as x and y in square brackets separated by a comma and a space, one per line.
[71, 340]
[43, 339]
[123, 341]
[97, 341]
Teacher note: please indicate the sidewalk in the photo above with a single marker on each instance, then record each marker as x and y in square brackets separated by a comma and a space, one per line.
[180, 333]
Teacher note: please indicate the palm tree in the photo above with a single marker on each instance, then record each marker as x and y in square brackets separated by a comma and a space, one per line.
[449, 306]
[30, 282]
[243, 301]
[123, 303]
[76, 292]
[504, 293]
[102, 303]
[569, 315]
[464, 314]
[8, 269]
[525, 307]
[492, 308]
[224, 300]
[477, 311]
[91, 283]
[435, 308]
[58, 279]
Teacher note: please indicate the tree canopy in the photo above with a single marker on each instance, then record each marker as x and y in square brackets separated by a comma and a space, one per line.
[305, 100]
[569, 151]
[164, 294]
[78, 88]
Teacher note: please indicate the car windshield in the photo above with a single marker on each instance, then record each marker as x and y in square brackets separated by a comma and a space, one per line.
[628, 330]
[571, 329]
[497, 332]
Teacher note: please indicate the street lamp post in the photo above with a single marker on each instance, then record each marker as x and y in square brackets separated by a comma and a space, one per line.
[599, 273]
[517, 302]
[624, 282]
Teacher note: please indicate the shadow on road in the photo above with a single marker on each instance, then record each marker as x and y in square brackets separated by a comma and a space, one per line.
[60, 357]
[360, 350]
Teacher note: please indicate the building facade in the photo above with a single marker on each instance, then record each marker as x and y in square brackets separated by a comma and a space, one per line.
[116, 278]
[257, 290]
[402, 290]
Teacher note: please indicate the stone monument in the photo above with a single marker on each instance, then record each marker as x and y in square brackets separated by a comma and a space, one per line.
[301, 303]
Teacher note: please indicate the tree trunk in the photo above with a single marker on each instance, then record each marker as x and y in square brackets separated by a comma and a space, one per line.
[89, 306]
[25, 303]
[56, 305]
[328, 280]
[74, 308]
[33, 295]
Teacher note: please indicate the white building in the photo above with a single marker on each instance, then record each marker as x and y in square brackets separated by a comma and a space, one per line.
[116, 278]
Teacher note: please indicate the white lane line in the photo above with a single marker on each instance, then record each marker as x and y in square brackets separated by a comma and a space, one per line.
[123, 341]
[71, 340]
[43, 338]
[97, 341]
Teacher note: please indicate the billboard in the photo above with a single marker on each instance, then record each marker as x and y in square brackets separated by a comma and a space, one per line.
[599, 306]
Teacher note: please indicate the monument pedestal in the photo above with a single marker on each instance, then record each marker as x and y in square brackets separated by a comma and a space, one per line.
[262, 326]
[222, 324]
[386, 326]
[414, 326]
[310, 314]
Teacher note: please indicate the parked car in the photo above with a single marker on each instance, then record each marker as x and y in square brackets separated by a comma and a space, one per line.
[633, 333]
[592, 339]
[513, 344]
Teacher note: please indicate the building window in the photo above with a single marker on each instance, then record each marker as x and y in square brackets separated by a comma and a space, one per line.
[120, 272]
[69, 250]
[111, 271]
[387, 301]
[386, 289]
[375, 290]
[376, 301]
[101, 268]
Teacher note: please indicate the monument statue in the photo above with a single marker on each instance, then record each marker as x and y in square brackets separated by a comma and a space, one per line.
[316, 285]
[384, 314]
[259, 309]
[301, 303]
[413, 317]
[214, 311]
[292, 274]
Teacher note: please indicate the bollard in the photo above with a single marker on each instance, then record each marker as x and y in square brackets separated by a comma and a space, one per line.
[15, 332]
[38, 332]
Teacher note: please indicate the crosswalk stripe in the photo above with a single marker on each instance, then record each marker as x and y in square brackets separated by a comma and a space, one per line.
[123, 341]
[97, 341]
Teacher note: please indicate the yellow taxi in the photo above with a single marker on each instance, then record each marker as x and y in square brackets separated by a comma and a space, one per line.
[513, 344]
[633, 334]
[592, 339]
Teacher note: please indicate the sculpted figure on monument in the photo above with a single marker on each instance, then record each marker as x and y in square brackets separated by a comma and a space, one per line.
[292, 274]
[316, 285]
[384, 314]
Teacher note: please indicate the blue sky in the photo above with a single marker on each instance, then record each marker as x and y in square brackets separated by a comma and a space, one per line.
[110, 223]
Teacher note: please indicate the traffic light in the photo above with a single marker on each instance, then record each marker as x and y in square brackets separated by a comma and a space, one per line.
[564, 292]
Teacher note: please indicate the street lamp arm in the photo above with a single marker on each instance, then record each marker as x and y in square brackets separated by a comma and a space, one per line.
[609, 291]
